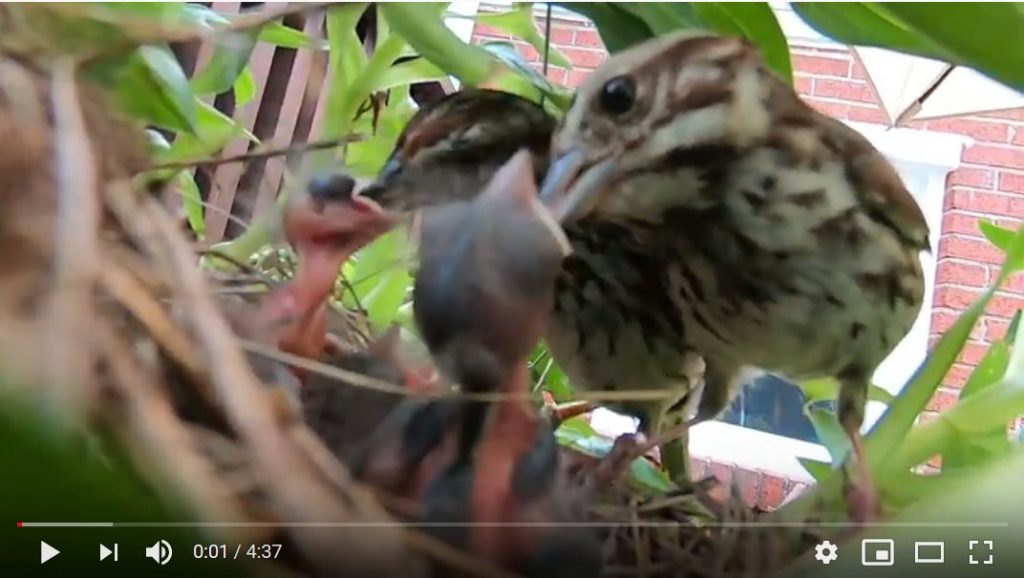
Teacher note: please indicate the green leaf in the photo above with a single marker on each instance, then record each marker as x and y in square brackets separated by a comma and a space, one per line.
[901, 415]
[213, 131]
[664, 17]
[891, 446]
[754, 21]
[642, 474]
[152, 87]
[347, 61]
[998, 236]
[818, 470]
[863, 24]
[969, 32]
[409, 72]
[827, 388]
[422, 26]
[381, 278]
[989, 370]
[519, 22]
[575, 428]
[192, 202]
[279, 34]
[245, 88]
[978, 448]
[830, 433]
[526, 80]
[230, 57]
[618, 28]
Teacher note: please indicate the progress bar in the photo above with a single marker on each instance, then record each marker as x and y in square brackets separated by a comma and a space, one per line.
[507, 525]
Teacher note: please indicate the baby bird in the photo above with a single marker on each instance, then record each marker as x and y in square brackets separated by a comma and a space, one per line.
[483, 293]
[325, 227]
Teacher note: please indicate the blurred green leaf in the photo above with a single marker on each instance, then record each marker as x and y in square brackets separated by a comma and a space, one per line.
[754, 21]
[231, 53]
[989, 370]
[192, 202]
[381, 278]
[203, 16]
[279, 34]
[520, 22]
[899, 418]
[829, 432]
[526, 80]
[998, 236]
[968, 31]
[213, 131]
[664, 17]
[422, 26]
[642, 474]
[981, 448]
[891, 446]
[818, 470]
[409, 72]
[244, 87]
[575, 428]
[151, 86]
[618, 28]
[827, 388]
[862, 23]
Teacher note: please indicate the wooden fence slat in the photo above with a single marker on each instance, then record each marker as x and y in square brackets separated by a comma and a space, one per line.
[226, 177]
[289, 115]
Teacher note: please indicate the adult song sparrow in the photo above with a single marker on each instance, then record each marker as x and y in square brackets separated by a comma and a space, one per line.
[787, 242]
[614, 324]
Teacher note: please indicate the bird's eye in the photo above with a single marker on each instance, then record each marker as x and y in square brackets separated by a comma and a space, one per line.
[618, 95]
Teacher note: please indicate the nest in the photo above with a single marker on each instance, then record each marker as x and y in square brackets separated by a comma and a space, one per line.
[109, 320]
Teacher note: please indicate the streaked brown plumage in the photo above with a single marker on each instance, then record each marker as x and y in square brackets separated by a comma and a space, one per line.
[608, 329]
[788, 243]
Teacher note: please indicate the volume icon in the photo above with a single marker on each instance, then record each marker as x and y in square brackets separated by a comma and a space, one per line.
[160, 552]
[106, 552]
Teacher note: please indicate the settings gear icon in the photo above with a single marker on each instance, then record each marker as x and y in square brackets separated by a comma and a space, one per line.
[826, 552]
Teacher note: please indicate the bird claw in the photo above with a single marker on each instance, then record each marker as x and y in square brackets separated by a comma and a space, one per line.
[557, 413]
[858, 488]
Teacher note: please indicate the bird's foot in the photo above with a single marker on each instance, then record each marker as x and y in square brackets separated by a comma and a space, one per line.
[614, 465]
[557, 413]
[858, 487]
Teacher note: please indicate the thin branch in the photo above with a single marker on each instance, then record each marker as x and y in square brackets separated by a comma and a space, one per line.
[76, 258]
[359, 380]
[260, 154]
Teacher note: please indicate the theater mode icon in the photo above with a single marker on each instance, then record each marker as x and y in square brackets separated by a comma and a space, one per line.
[929, 552]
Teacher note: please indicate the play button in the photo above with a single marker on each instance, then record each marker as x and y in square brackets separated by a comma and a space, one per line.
[46, 552]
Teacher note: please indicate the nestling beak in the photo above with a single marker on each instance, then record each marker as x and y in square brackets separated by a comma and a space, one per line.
[571, 190]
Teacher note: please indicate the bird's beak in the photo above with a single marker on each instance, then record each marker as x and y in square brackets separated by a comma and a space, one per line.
[391, 168]
[571, 190]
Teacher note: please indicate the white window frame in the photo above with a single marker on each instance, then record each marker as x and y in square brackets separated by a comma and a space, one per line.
[928, 156]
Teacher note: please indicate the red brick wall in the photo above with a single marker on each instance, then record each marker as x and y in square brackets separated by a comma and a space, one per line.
[989, 185]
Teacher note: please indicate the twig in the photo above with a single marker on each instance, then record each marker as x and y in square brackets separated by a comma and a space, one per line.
[259, 154]
[76, 261]
[366, 382]
[131, 294]
[160, 438]
[296, 492]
